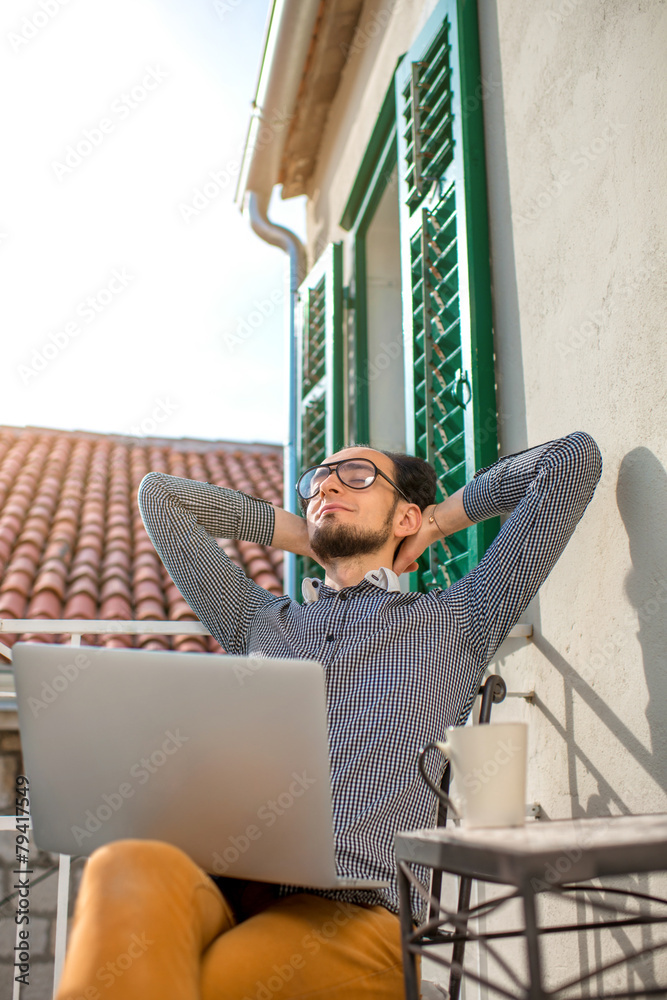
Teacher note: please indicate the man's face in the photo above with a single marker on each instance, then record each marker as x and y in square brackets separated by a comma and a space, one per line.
[346, 522]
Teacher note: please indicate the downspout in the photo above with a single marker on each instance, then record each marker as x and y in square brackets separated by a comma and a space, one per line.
[288, 241]
[288, 38]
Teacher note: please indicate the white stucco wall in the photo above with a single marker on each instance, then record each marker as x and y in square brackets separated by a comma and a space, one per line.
[576, 130]
[576, 139]
[576, 135]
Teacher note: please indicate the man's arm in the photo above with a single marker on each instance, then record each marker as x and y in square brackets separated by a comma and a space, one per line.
[291, 533]
[183, 519]
[547, 490]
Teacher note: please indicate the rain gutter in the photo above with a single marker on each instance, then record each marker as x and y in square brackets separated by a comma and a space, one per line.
[287, 42]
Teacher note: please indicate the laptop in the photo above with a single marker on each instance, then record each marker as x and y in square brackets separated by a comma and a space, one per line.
[225, 757]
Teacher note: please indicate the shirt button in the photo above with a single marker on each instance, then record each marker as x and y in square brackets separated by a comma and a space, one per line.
[342, 597]
[330, 638]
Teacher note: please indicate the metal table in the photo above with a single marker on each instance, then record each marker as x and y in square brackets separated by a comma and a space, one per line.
[559, 856]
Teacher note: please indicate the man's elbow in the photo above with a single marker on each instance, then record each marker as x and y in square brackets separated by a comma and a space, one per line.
[585, 461]
[150, 488]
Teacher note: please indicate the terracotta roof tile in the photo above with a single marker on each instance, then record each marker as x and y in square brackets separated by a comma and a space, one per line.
[45, 604]
[86, 583]
[28, 549]
[146, 589]
[72, 543]
[19, 580]
[115, 641]
[12, 604]
[150, 609]
[152, 642]
[81, 605]
[190, 643]
[116, 586]
[180, 611]
[51, 580]
[116, 607]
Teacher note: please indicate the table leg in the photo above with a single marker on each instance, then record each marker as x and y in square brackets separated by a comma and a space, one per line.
[405, 916]
[535, 989]
[458, 949]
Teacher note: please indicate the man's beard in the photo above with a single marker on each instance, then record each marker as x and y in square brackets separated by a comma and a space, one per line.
[339, 541]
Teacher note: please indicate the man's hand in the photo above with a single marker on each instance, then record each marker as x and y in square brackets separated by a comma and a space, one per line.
[438, 521]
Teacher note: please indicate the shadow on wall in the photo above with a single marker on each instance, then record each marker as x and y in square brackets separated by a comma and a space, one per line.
[641, 494]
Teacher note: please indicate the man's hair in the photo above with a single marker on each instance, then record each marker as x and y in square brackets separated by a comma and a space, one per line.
[415, 477]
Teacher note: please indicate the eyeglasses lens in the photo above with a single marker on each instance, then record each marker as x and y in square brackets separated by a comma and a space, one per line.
[358, 474]
[355, 473]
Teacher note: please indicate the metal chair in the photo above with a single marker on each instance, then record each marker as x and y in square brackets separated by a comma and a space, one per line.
[492, 692]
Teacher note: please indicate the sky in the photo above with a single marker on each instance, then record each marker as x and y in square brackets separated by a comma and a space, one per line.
[135, 297]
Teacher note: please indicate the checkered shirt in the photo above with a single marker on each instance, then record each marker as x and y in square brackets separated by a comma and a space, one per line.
[399, 667]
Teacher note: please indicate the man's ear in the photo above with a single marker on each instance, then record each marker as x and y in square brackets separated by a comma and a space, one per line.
[409, 522]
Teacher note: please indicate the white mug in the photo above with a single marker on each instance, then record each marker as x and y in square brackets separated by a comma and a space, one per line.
[489, 768]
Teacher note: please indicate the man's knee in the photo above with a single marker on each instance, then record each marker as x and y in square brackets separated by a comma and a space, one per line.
[135, 859]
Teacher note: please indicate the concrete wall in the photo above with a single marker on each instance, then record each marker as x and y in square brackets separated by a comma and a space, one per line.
[576, 125]
[576, 134]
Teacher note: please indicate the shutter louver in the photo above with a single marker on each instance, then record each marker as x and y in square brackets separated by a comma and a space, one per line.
[428, 119]
[320, 388]
[447, 323]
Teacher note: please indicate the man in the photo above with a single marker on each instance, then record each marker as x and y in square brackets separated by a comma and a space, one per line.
[399, 668]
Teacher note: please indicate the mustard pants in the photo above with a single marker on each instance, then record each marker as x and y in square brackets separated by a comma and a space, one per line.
[149, 924]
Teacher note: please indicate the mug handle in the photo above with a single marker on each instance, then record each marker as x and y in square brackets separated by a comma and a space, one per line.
[445, 799]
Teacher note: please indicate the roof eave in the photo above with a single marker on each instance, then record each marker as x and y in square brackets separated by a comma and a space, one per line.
[287, 43]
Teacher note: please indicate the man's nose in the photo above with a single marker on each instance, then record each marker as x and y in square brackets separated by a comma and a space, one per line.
[331, 484]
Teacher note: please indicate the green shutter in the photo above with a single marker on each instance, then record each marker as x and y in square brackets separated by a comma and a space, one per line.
[321, 425]
[450, 382]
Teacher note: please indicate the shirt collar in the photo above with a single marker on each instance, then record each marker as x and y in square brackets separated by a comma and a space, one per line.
[383, 578]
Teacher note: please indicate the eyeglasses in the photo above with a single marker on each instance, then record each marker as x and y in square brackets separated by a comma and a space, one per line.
[357, 473]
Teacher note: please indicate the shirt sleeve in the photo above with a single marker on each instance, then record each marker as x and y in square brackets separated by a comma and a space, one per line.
[547, 490]
[183, 519]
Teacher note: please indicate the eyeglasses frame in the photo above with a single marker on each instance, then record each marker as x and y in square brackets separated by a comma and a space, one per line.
[333, 467]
